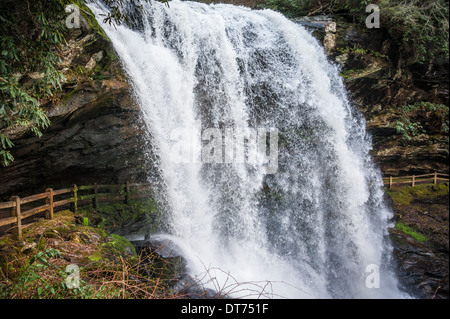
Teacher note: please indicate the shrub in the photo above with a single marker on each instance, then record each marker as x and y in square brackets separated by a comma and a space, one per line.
[422, 118]
[30, 35]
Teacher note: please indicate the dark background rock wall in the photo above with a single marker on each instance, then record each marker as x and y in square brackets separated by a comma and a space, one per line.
[96, 132]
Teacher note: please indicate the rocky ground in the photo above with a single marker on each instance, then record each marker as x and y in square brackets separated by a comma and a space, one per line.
[420, 239]
[107, 265]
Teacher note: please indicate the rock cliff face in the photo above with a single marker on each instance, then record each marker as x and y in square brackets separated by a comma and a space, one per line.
[420, 239]
[96, 134]
[379, 85]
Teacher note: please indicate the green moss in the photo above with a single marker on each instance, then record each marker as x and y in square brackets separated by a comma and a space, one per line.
[117, 217]
[95, 257]
[100, 232]
[119, 245]
[350, 73]
[41, 244]
[5, 241]
[405, 195]
[409, 231]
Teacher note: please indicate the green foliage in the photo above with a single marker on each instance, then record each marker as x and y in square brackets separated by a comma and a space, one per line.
[350, 73]
[117, 13]
[291, 8]
[29, 40]
[409, 231]
[44, 255]
[422, 118]
[420, 26]
[119, 246]
[358, 50]
[42, 278]
[30, 277]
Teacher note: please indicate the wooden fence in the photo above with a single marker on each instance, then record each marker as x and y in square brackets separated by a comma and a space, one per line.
[95, 193]
[122, 192]
[415, 179]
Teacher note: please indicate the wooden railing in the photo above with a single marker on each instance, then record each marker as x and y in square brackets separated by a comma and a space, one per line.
[415, 179]
[96, 193]
[122, 192]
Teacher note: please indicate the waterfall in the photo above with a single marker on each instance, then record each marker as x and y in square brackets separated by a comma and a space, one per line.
[215, 77]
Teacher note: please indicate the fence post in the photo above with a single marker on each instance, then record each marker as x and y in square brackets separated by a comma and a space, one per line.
[413, 181]
[390, 181]
[15, 212]
[95, 199]
[127, 192]
[73, 205]
[49, 201]
[435, 178]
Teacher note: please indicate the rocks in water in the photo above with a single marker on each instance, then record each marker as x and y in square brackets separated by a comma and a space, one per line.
[161, 246]
[189, 287]
[165, 253]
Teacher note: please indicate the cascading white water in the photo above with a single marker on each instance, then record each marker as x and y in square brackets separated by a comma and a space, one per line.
[310, 229]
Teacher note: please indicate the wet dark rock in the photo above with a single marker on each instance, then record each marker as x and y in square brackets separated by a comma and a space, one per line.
[161, 246]
[183, 283]
[421, 270]
[165, 253]
[190, 288]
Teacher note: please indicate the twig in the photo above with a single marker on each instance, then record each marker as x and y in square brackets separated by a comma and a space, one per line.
[438, 287]
[314, 11]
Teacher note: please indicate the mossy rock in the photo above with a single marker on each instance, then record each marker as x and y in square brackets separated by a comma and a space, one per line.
[119, 246]
[139, 216]
[405, 195]
[96, 256]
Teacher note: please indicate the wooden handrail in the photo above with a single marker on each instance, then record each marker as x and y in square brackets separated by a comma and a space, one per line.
[62, 191]
[7, 204]
[403, 177]
[35, 211]
[15, 203]
[33, 198]
[63, 202]
[414, 179]
[7, 221]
